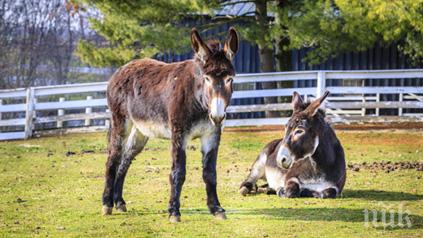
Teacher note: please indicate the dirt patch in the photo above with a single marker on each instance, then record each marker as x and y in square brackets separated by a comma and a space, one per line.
[386, 166]
[70, 153]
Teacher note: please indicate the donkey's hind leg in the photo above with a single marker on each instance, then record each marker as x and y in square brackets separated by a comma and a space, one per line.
[134, 144]
[116, 136]
[256, 173]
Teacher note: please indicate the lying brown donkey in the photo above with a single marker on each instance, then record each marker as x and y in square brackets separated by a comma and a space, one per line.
[308, 162]
[178, 101]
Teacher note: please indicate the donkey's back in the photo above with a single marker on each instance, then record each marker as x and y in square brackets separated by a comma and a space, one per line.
[145, 83]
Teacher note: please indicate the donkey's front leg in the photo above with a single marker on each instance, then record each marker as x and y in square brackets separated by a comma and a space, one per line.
[177, 177]
[210, 146]
[292, 188]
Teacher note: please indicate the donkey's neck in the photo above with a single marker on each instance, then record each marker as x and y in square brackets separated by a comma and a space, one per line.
[324, 154]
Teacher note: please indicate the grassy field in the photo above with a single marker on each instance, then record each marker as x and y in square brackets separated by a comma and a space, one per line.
[52, 187]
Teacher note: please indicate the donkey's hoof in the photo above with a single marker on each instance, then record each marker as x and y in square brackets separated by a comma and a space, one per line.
[107, 210]
[220, 216]
[121, 208]
[174, 219]
[244, 191]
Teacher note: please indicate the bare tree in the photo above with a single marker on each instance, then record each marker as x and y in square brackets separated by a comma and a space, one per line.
[37, 41]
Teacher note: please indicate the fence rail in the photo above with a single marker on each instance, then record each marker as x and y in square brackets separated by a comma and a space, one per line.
[22, 110]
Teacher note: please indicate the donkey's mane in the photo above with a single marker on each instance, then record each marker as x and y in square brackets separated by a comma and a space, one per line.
[214, 46]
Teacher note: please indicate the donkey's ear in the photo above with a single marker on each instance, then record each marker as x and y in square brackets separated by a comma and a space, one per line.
[311, 110]
[199, 47]
[231, 44]
[297, 102]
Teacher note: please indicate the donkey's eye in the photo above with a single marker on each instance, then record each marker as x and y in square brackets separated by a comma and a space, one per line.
[207, 79]
[229, 80]
[299, 132]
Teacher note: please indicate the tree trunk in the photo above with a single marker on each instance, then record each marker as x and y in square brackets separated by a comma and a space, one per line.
[283, 55]
[265, 52]
[283, 59]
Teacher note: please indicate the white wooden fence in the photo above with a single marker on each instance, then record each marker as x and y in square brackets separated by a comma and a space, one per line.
[346, 104]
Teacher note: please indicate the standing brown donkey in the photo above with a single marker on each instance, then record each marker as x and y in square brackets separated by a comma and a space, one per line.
[179, 101]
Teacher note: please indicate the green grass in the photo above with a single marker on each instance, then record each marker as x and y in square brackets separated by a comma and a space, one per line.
[46, 193]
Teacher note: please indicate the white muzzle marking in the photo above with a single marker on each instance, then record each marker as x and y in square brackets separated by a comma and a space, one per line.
[217, 108]
[284, 158]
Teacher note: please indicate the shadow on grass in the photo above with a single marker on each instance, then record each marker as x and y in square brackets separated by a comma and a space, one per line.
[379, 195]
[376, 195]
[307, 214]
[323, 214]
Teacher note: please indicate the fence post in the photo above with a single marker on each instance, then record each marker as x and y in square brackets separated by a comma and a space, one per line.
[1, 103]
[29, 112]
[377, 100]
[321, 86]
[60, 112]
[363, 100]
[401, 99]
[34, 114]
[88, 110]
[363, 109]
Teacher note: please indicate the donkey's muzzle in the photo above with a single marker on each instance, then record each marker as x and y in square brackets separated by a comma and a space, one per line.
[217, 110]
[217, 121]
[284, 158]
